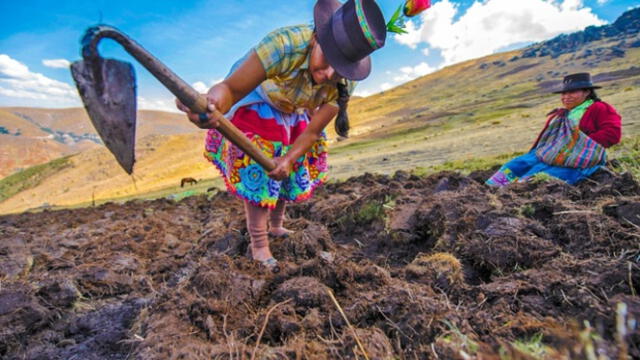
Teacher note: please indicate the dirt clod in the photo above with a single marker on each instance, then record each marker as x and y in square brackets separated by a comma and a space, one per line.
[439, 270]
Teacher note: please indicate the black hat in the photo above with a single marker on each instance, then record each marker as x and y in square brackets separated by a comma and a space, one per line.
[575, 82]
[348, 33]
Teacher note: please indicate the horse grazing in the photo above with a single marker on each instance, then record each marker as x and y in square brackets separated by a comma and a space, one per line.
[188, 180]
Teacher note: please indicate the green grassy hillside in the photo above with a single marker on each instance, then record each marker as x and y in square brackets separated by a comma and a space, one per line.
[470, 114]
[482, 107]
[30, 177]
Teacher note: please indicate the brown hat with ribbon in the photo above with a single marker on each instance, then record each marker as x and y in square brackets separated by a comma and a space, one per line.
[348, 33]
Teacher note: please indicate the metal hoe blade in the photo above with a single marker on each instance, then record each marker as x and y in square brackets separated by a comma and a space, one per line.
[108, 89]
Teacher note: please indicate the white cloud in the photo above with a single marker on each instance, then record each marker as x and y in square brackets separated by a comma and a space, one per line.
[157, 104]
[200, 87]
[602, 2]
[413, 36]
[399, 76]
[571, 5]
[386, 86]
[17, 81]
[33, 89]
[408, 73]
[56, 63]
[362, 93]
[494, 24]
[168, 104]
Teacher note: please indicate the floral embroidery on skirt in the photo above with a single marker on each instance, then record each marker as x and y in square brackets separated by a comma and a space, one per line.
[248, 180]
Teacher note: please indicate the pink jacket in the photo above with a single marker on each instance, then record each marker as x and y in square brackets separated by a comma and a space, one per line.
[601, 122]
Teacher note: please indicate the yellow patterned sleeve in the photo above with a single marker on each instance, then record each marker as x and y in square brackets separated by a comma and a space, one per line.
[283, 50]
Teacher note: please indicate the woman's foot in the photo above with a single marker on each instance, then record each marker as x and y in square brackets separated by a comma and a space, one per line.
[271, 264]
[280, 232]
[264, 256]
[261, 253]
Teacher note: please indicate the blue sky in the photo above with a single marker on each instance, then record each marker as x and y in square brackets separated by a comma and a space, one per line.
[200, 40]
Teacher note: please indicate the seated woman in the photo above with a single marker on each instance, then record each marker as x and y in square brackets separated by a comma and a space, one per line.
[572, 144]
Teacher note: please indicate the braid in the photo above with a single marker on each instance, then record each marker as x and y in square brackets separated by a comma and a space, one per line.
[593, 96]
[342, 120]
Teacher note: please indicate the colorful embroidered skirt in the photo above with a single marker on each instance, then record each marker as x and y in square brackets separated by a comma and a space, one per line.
[248, 180]
[525, 166]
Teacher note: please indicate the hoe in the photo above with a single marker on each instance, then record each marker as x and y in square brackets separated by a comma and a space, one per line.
[108, 89]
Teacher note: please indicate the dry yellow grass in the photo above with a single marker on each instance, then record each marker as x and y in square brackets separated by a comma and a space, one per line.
[18, 153]
[430, 268]
[14, 124]
[463, 112]
[96, 175]
[459, 112]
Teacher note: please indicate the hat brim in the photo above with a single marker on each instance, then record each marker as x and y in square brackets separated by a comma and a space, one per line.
[322, 13]
[576, 88]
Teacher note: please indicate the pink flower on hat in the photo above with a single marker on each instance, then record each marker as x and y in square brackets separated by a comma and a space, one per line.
[415, 7]
[409, 9]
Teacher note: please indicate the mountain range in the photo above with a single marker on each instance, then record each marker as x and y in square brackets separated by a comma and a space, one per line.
[482, 107]
[31, 136]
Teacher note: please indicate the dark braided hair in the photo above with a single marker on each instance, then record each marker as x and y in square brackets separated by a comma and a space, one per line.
[593, 96]
[342, 120]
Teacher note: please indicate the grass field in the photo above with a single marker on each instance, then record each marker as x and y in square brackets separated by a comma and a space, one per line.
[627, 154]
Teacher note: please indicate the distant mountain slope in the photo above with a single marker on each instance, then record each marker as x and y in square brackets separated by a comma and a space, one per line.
[21, 152]
[163, 160]
[492, 86]
[67, 121]
[481, 107]
[76, 123]
[14, 125]
[67, 131]
[623, 29]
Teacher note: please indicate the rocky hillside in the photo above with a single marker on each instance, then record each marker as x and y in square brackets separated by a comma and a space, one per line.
[487, 106]
[623, 30]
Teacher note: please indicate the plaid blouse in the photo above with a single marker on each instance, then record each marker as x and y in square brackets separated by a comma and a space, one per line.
[284, 54]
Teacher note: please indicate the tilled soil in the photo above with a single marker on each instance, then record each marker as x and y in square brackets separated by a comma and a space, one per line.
[440, 267]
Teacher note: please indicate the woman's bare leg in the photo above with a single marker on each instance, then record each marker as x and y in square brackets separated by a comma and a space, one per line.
[276, 220]
[257, 227]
